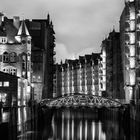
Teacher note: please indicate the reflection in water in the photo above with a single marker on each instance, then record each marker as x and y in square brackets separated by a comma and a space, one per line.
[71, 125]
[65, 124]
[76, 124]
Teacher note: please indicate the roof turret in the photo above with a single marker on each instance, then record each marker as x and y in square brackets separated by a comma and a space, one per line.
[23, 31]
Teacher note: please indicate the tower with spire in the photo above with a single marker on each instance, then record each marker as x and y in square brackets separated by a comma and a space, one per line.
[23, 37]
[15, 54]
[26, 42]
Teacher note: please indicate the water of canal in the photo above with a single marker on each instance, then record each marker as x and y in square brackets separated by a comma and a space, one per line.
[65, 124]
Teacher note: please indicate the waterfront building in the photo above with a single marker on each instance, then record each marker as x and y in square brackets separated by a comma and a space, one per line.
[79, 76]
[18, 38]
[43, 59]
[130, 44]
[15, 52]
[112, 80]
[12, 90]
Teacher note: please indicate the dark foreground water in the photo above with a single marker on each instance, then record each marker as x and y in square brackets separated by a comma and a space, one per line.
[66, 124]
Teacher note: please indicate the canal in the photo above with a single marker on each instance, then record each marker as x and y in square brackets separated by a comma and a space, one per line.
[34, 123]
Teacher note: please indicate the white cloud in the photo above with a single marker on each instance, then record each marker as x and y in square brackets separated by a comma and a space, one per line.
[62, 52]
[79, 24]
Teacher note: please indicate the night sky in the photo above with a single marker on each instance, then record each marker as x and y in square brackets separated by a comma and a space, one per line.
[80, 25]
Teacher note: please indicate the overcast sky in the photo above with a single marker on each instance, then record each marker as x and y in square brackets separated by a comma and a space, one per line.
[80, 25]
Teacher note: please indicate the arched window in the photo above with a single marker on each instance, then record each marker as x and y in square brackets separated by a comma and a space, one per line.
[5, 57]
[13, 57]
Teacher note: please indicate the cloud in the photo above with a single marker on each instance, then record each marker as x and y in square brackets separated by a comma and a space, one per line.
[62, 52]
[79, 24]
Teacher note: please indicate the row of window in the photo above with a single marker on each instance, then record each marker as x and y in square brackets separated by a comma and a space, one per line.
[13, 71]
[4, 83]
[10, 71]
[4, 40]
[12, 57]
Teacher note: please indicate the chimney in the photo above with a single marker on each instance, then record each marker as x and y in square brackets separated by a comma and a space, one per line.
[16, 21]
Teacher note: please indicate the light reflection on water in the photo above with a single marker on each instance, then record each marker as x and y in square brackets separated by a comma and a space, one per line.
[66, 124]
[71, 125]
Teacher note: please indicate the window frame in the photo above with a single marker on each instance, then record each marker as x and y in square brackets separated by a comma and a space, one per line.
[5, 57]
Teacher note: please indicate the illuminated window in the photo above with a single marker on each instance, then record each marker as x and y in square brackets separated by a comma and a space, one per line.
[28, 57]
[132, 25]
[132, 77]
[23, 74]
[23, 57]
[132, 50]
[5, 57]
[10, 70]
[132, 62]
[6, 84]
[3, 97]
[132, 38]
[132, 13]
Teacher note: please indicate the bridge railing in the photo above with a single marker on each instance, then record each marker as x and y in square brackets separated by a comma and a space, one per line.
[77, 100]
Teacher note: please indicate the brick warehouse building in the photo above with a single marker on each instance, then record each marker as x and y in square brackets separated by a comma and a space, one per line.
[130, 45]
[43, 43]
[15, 54]
[11, 93]
[79, 76]
[17, 40]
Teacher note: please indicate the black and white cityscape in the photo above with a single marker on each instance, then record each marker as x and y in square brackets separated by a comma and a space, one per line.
[56, 84]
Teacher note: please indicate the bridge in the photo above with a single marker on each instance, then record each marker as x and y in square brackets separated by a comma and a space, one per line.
[80, 100]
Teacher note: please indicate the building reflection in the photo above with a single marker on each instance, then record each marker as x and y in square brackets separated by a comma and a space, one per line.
[27, 124]
[19, 124]
[82, 124]
[67, 124]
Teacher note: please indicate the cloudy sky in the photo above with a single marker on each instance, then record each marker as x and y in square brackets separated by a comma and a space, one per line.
[80, 25]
